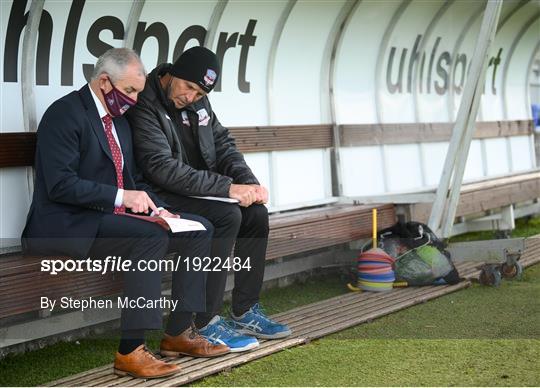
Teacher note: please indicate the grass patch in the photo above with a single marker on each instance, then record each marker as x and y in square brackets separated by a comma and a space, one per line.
[511, 311]
[375, 362]
[481, 336]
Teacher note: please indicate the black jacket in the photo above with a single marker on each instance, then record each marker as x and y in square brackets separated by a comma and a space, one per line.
[156, 126]
[75, 177]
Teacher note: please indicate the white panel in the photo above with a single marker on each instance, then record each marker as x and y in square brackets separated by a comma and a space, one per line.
[299, 176]
[259, 162]
[253, 104]
[92, 11]
[521, 153]
[496, 156]
[466, 48]
[297, 85]
[403, 167]
[473, 168]
[436, 87]
[434, 157]
[46, 94]
[432, 81]
[517, 98]
[176, 16]
[492, 104]
[356, 62]
[14, 202]
[451, 26]
[362, 170]
[11, 114]
[397, 104]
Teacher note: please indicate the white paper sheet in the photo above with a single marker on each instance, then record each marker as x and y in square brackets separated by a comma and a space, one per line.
[220, 199]
[179, 225]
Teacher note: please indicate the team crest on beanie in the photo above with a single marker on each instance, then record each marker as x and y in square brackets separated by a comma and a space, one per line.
[198, 65]
[210, 77]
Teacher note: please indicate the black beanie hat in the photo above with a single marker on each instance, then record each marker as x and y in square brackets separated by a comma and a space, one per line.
[198, 65]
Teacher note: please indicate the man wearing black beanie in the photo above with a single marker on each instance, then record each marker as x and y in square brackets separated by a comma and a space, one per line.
[185, 152]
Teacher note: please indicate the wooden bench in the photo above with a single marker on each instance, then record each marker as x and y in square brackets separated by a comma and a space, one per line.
[489, 194]
[22, 283]
[293, 232]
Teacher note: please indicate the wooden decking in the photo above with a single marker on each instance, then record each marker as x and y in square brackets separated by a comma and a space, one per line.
[307, 322]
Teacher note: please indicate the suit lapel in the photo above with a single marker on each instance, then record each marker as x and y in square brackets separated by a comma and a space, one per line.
[93, 116]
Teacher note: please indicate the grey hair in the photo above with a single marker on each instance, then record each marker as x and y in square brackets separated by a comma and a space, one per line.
[114, 61]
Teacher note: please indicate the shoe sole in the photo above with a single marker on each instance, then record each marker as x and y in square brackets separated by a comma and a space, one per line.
[123, 373]
[170, 353]
[283, 334]
[245, 348]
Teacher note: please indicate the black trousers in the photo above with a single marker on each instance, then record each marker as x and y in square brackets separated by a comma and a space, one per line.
[138, 240]
[248, 228]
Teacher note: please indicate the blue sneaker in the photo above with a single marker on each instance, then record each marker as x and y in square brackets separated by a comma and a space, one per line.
[255, 322]
[218, 331]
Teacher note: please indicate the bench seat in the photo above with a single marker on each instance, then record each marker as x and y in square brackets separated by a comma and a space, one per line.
[22, 283]
[478, 197]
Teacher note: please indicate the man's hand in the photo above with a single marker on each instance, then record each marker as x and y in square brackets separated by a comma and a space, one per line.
[262, 194]
[138, 201]
[166, 214]
[246, 194]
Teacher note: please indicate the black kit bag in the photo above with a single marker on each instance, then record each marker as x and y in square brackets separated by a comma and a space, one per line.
[421, 257]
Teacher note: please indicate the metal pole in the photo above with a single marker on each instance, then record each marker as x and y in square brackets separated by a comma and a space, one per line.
[455, 51]
[28, 78]
[28, 66]
[133, 20]
[508, 60]
[278, 30]
[425, 38]
[437, 211]
[468, 109]
[383, 49]
[214, 22]
[342, 22]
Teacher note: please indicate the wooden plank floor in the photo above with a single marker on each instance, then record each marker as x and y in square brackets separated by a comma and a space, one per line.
[308, 322]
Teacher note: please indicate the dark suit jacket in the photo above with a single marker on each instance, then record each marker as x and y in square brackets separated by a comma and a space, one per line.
[75, 177]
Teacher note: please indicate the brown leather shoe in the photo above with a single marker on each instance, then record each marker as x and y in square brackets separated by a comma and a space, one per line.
[142, 363]
[190, 343]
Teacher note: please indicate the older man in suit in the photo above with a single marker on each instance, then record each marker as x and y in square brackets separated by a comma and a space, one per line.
[86, 183]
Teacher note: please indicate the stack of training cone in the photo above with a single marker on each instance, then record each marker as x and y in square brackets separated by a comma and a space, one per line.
[375, 271]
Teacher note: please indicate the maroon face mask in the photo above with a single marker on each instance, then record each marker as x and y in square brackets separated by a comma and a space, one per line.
[117, 102]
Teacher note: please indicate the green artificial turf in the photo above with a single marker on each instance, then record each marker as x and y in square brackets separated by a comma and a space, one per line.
[375, 362]
[479, 336]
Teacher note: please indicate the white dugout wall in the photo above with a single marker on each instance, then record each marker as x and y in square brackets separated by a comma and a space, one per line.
[289, 63]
